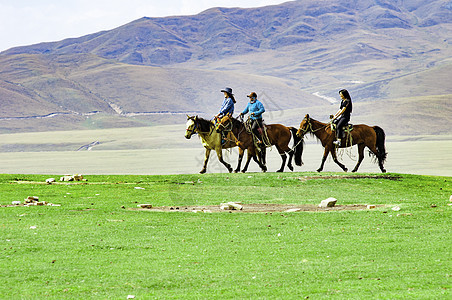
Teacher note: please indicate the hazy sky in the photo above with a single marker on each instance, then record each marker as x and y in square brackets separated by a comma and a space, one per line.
[26, 22]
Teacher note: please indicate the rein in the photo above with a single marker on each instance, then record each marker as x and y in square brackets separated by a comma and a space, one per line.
[312, 130]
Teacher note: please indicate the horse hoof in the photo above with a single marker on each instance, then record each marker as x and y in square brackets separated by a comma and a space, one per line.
[319, 170]
[383, 171]
[279, 171]
[202, 171]
[346, 170]
[354, 171]
[290, 168]
[243, 171]
[236, 171]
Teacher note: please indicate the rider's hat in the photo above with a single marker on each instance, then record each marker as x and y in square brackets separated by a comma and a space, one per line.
[252, 95]
[227, 90]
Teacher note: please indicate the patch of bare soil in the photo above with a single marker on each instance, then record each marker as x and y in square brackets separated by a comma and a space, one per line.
[253, 208]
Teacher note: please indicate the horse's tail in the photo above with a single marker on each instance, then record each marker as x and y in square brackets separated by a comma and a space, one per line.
[380, 144]
[298, 144]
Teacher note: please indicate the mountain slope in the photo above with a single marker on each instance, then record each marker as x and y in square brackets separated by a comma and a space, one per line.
[296, 55]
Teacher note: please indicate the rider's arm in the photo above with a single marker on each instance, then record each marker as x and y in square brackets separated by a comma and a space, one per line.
[339, 112]
[245, 111]
[226, 106]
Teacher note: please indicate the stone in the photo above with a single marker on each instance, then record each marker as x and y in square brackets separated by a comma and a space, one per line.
[371, 206]
[145, 205]
[231, 206]
[330, 202]
[50, 180]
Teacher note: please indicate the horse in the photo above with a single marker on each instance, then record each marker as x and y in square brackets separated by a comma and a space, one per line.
[211, 140]
[361, 135]
[278, 135]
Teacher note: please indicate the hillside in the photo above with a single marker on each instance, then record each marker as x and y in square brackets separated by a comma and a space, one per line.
[295, 56]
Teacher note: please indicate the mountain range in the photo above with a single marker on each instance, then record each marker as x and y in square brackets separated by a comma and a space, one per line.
[394, 56]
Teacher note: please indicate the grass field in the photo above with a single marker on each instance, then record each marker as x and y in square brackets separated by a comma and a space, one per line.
[96, 246]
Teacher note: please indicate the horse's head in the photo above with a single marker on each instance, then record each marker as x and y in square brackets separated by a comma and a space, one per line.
[191, 126]
[224, 123]
[305, 126]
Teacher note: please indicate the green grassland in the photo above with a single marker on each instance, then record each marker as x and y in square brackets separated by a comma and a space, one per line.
[95, 246]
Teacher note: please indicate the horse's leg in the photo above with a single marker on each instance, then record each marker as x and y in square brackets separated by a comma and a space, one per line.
[257, 159]
[220, 158]
[289, 151]
[206, 159]
[283, 157]
[248, 159]
[380, 160]
[289, 161]
[333, 154]
[360, 156]
[239, 163]
[325, 155]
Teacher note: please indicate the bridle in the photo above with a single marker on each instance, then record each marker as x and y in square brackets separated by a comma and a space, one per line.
[192, 131]
[310, 129]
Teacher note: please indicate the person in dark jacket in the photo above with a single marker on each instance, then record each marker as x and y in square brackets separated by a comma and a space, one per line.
[342, 117]
[256, 109]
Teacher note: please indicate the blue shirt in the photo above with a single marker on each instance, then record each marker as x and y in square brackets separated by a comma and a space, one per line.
[257, 108]
[227, 107]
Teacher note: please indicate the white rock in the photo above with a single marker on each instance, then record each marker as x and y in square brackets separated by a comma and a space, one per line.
[50, 180]
[330, 202]
[16, 203]
[145, 205]
[396, 208]
[450, 199]
[231, 206]
[293, 209]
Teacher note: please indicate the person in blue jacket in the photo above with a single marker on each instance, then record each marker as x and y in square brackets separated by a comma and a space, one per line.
[256, 109]
[228, 103]
[226, 108]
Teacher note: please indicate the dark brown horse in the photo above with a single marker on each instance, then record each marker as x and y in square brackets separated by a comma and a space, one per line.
[211, 140]
[278, 135]
[361, 135]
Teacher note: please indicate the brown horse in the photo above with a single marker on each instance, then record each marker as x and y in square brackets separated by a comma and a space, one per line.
[211, 140]
[361, 135]
[278, 135]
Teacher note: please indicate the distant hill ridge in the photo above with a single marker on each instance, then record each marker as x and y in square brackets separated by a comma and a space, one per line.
[219, 32]
[296, 55]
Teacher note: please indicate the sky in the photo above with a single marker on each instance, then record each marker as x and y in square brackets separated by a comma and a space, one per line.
[26, 22]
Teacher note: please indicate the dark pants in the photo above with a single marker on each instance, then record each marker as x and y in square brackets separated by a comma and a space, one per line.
[340, 123]
[255, 127]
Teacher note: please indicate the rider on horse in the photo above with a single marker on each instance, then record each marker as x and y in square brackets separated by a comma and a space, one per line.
[256, 109]
[342, 117]
[227, 107]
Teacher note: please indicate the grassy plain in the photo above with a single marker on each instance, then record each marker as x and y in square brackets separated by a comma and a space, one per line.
[94, 246]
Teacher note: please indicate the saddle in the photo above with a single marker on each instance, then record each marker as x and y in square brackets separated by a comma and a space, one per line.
[346, 129]
[262, 131]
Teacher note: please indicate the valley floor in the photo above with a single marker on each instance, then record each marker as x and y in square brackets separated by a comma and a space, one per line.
[424, 157]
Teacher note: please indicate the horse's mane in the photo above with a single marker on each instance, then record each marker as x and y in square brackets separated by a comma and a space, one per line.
[204, 125]
[236, 121]
[313, 133]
